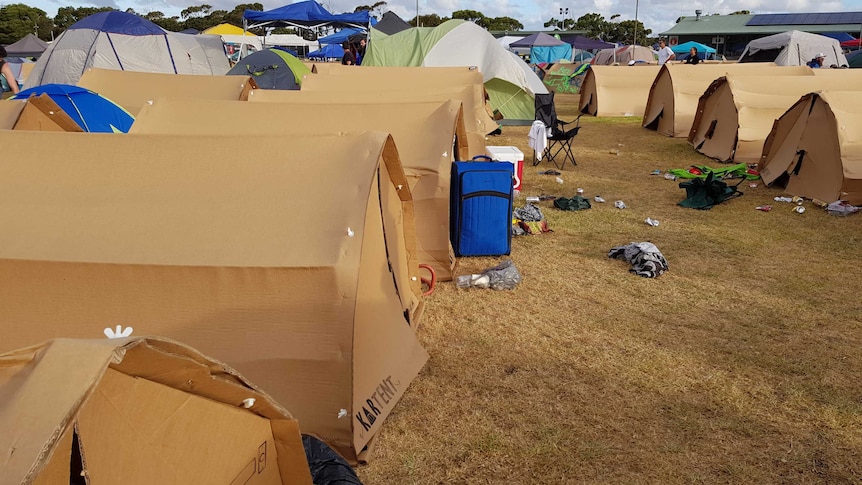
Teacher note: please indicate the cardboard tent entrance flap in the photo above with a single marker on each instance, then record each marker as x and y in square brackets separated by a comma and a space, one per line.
[37, 113]
[132, 90]
[423, 133]
[736, 113]
[815, 148]
[139, 411]
[277, 264]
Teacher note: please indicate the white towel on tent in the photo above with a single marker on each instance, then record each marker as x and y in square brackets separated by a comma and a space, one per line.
[538, 138]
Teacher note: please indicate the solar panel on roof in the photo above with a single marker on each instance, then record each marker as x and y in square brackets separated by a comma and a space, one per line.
[830, 18]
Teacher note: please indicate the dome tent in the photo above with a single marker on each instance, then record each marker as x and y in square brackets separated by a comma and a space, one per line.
[92, 112]
[126, 42]
[511, 87]
[794, 48]
[272, 69]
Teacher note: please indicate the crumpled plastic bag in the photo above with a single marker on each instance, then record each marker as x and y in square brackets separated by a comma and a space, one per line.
[529, 213]
[504, 276]
[646, 259]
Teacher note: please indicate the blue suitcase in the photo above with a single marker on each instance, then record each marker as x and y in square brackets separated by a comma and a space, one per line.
[480, 207]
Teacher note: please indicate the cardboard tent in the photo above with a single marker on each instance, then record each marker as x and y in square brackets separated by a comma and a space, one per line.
[616, 90]
[735, 114]
[37, 113]
[815, 148]
[139, 411]
[510, 83]
[133, 90]
[675, 92]
[623, 55]
[277, 264]
[127, 42]
[406, 83]
[794, 48]
[467, 95]
[422, 131]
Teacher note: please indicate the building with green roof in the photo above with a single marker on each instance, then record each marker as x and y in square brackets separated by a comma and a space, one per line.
[729, 34]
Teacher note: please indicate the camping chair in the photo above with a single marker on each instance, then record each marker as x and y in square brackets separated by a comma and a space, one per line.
[559, 138]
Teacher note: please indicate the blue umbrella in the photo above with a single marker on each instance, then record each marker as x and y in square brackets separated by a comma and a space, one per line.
[90, 111]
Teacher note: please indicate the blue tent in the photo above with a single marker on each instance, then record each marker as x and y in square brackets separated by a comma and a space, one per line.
[340, 36]
[684, 48]
[330, 51]
[90, 111]
[116, 22]
[307, 14]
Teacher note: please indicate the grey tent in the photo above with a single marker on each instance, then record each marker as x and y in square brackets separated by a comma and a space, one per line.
[794, 48]
[391, 23]
[29, 46]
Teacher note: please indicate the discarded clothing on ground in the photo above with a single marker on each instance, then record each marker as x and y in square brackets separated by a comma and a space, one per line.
[705, 193]
[645, 258]
[529, 220]
[576, 203]
[730, 171]
[504, 276]
[327, 467]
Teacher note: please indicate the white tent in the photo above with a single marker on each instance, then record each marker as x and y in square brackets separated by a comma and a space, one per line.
[511, 87]
[794, 48]
[126, 42]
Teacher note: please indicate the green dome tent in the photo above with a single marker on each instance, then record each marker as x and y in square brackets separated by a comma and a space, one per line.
[509, 81]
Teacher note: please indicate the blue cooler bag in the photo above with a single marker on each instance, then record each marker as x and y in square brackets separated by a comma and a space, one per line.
[480, 207]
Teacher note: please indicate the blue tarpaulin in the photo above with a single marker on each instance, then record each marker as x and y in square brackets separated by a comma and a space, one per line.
[116, 22]
[331, 51]
[305, 14]
[550, 54]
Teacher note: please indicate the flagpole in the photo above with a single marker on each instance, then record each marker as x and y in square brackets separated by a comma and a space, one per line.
[636, 23]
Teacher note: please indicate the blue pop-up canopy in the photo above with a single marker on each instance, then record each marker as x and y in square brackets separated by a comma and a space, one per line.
[307, 14]
[684, 48]
[89, 110]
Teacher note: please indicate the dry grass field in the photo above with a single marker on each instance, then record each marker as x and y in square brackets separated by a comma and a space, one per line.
[741, 364]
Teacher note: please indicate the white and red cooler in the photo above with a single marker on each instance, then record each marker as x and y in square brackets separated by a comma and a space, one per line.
[513, 156]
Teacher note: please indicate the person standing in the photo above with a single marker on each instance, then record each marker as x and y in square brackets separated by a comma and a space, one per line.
[693, 58]
[348, 59]
[6, 72]
[664, 53]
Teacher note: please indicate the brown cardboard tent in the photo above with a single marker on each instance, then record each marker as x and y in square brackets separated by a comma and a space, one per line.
[139, 411]
[400, 82]
[272, 253]
[423, 133]
[815, 148]
[616, 90]
[132, 90]
[623, 55]
[736, 112]
[469, 96]
[674, 94]
[37, 113]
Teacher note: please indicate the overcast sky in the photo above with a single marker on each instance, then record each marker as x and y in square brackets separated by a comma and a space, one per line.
[656, 15]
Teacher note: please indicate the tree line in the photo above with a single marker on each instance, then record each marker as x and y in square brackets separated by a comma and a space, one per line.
[18, 20]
